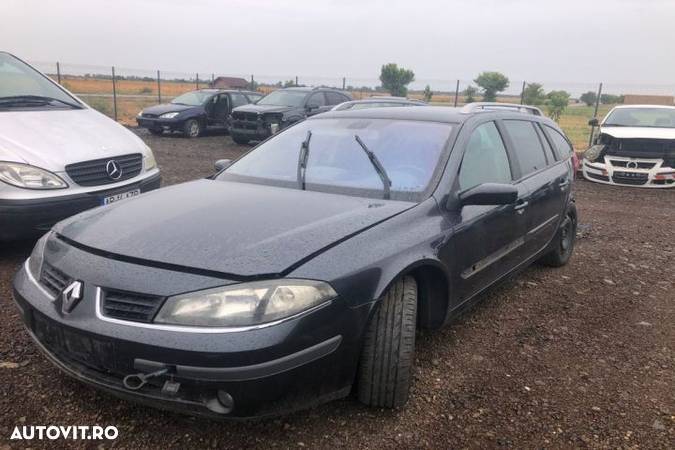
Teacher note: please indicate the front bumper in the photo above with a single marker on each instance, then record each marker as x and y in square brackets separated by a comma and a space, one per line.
[629, 172]
[160, 124]
[260, 133]
[28, 218]
[266, 371]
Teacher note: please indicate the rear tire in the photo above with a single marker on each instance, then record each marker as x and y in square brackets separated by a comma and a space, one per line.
[385, 371]
[192, 128]
[239, 139]
[563, 241]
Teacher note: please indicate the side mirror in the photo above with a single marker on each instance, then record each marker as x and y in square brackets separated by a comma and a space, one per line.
[310, 108]
[489, 194]
[222, 164]
[593, 122]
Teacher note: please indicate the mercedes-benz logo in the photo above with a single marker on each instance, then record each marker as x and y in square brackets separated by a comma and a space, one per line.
[70, 296]
[113, 169]
[632, 165]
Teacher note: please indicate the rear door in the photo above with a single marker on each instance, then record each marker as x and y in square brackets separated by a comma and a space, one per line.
[547, 180]
[487, 242]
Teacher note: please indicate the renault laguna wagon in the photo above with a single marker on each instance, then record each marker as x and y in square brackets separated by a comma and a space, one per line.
[301, 271]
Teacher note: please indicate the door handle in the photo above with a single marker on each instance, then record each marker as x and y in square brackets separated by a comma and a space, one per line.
[564, 183]
[520, 206]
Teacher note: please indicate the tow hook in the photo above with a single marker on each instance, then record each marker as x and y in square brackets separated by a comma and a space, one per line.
[135, 381]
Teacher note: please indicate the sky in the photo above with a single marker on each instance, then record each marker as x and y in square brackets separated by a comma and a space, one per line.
[572, 42]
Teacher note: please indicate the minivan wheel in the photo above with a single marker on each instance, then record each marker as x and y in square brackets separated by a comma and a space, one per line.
[385, 371]
[192, 128]
[563, 243]
[239, 139]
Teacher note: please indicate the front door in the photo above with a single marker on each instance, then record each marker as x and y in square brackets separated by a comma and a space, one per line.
[487, 241]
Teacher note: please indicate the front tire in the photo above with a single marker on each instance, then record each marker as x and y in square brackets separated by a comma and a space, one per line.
[192, 128]
[563, 241]
[239, 139]
[156, 131]
[385, 371]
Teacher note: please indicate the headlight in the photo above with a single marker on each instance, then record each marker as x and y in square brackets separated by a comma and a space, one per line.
[594, 152]
[168, 115]
[29, 177]
[140, 113]
[274, 127]
[150, 162]
[37, 256]
[245, 304]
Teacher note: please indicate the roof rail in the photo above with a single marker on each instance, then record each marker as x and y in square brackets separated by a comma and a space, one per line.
[473, 107]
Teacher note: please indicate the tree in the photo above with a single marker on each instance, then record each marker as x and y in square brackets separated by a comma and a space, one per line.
[396, 79]
[428, 93]
[589, 98]
[534, 94]
[556, 103]
[608, 99]
[492, 83]
[469, 93]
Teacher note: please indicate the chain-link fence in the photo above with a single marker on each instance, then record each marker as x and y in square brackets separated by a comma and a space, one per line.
[121, 92]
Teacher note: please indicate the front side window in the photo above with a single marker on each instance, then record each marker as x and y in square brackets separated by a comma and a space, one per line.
[335, 99]
[238, 100]
[283, 98]
[316, 100]
[485, 159]
[21, 86]
[195, 98]
[527, 147]
[409, 151]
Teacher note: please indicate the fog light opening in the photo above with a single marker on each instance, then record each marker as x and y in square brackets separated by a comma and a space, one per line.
[222, 404]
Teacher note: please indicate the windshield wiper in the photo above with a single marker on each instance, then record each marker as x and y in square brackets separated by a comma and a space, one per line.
[34, 99]
[302, 160]
[386, 182]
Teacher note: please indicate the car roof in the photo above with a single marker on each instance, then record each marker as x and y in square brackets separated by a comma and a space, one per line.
[309, 89]
[217, 91]
[644, 106]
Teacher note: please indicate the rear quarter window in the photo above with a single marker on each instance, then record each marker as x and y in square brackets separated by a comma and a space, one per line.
[561, 144]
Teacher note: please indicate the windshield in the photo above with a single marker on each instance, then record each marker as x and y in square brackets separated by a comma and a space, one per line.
[283, 98]
[22, 86]
[195, 98]
[641, 117]
[409, 152]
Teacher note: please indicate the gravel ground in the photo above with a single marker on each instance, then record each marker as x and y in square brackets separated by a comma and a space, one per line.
[581, 356]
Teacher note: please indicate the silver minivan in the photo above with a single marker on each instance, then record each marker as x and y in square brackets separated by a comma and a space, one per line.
[58, 156]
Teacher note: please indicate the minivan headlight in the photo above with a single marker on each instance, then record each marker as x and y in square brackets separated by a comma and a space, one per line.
[150, 162]
[29, 177]
[245, 304]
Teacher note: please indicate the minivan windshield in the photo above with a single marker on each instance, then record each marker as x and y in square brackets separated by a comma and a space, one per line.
[408, 151]
[283, 98]
[195, 98]
[641, 117]
[23, 87]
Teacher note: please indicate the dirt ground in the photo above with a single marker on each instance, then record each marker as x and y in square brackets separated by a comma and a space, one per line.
[582, 356]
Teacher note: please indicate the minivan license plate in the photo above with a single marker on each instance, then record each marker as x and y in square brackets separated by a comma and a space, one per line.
[117, 197]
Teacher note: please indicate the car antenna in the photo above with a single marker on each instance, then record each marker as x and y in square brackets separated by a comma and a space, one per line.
[386, 182]
[302, 160]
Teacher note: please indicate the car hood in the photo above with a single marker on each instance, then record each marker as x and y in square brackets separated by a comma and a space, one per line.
[169, 107]
[52, 139]
[639, 132]
[262, 109]
[236, 229]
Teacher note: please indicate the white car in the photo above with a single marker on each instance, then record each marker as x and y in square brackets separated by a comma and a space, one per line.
[635, 147]
[58, 156]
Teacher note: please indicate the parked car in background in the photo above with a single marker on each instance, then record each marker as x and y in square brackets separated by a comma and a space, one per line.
[635, 146]
[58, 156]
[302, 270]
[194, 112]
[377, 102]
[279, 109]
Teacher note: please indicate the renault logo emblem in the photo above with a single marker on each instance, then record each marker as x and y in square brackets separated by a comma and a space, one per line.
[70, 296]
[113, 169]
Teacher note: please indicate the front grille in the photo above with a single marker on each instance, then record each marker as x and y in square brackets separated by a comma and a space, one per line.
[245, 120]
[644, 148]
[53, 279]
[597, 176]
[633, 178]
[149, 115]
[94, 172]
[130, 306]
[638, 165]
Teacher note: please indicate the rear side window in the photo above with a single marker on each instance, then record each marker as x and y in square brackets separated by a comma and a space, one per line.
[561, 144]
[335, 99]
[551, 156]
[316, 100]
[238, 100]
[485, 159]
[528, 149]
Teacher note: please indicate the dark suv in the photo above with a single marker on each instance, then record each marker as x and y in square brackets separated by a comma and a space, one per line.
[279, 109]
[195, 111]
[301, 271]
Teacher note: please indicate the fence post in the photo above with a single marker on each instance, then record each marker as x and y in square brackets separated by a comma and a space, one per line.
[253, 83]
[213, 80]
[58, 72]
[522, 94]
[344, 83]
[114, 94]
[197, 80]
[595, 113]
[296, 80]
[159, 88]
[456, 93]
